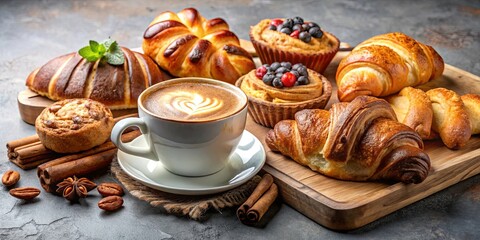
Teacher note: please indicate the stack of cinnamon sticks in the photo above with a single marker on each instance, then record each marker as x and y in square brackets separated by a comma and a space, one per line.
[29, 152]
[255, 207]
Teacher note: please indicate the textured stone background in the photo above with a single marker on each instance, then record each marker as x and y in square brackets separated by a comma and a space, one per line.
[33, 32]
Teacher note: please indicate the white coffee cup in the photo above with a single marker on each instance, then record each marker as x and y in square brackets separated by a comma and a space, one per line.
[191, 125]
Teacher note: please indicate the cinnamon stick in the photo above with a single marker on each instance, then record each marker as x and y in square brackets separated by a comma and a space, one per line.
[32, 150]
[262, 187]
[28, 155]
[48, 188]
[126, 137]
[24, 150]
[21, 142]
[80, 167]
[256, 212]
[29, 165]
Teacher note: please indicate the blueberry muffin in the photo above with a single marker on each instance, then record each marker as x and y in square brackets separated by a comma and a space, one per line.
[74, 125]
[277, 91]
[294, 40]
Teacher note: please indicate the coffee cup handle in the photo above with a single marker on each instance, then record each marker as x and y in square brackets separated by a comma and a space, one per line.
[142, 151]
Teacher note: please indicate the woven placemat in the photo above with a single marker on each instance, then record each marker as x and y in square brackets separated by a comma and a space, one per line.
[194, 207]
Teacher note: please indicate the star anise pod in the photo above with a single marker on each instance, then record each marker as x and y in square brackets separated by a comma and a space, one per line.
[73, 188]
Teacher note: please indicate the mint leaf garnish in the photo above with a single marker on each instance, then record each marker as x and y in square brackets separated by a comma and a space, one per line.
[87, 53]
[114, 54]
[107, 50]
[107, 43]
[94, 46]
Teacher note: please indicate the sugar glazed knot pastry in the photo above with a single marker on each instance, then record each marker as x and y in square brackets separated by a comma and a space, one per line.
[359, 141]
[277, 91]
[116, 86]
[74, 125]
[187, 45]
[384, 64]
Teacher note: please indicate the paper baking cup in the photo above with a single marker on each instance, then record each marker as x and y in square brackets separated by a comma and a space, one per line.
[268, 114]
[315, 61]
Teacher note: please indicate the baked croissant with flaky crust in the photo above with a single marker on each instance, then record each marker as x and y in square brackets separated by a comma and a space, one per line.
[358, 141]
[116, 86]
[188, 45]
[439, 112]
[384, 64]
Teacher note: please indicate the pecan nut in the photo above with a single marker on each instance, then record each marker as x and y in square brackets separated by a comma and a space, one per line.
[110, 189]
[50, 123]
[10, 178]
[25, 193]
[111, 203]
[54, 108]
[77, 120]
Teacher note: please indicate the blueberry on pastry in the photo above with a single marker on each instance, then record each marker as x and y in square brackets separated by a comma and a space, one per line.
[277, 91]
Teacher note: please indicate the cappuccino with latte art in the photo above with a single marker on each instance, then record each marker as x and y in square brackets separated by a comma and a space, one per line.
[191, 125]
[193, 102]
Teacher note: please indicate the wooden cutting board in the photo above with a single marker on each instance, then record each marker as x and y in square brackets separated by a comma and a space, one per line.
[345, 205]
[30, 105]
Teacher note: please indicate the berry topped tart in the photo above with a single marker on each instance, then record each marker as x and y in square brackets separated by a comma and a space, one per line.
[294, 40]
[277, 91]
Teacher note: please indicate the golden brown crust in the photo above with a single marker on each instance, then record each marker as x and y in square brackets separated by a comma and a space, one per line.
[71, 76]
[414, 109]
[410, 50]
[187, 45]
[365, 70]
[74, 125]
[472, 105]
[370, 69]
[357, 141]
[450, 118]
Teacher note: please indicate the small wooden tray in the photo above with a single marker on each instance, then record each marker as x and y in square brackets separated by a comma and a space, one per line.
[345, 205]
[30, 105]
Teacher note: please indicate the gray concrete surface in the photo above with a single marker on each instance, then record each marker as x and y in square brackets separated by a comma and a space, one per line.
[33, 32]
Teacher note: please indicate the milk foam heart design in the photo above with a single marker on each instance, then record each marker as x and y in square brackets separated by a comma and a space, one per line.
[192, 103]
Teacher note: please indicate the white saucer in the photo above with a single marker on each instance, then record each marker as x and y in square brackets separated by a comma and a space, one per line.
[244, 163]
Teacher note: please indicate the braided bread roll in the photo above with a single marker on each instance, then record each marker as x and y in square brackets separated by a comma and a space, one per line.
[439, 112]
[188, 45]
[384, 64]
[118, 87]
[356, 141]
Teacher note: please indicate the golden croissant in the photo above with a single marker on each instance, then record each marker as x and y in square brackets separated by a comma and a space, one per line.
[384, 64]
[439, 112]
[187, 45]
[116, 86]
[358, 141]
